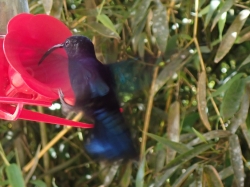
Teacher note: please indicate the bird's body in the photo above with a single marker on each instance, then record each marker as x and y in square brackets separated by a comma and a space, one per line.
[94, 89]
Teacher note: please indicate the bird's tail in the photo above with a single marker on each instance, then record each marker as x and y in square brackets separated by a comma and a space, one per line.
[110, 139]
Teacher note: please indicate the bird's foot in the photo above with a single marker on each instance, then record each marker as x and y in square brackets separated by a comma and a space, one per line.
[66, 108]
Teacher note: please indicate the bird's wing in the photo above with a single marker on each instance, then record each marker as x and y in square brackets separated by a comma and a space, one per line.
[87, 83]
[98, 86]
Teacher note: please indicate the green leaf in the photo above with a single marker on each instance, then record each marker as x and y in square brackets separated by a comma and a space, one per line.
[160, 159]
[241, 115]
[159, 180]
[204, 11]
[168, 71]
[4, 183]
[221, 24]
[231, 100]
[160, 27]
[180, 148]
[107, 22]
[212, 8]
[14, 176]
[231, 35]
[215, 134]
[189, 155]
[125, 181]
[199, 135]
[140, 12]
[137, 33]
[103, 30]
[225, 6]
[38, 183]
[225, 86]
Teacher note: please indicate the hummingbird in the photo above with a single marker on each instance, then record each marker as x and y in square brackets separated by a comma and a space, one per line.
[93, 85]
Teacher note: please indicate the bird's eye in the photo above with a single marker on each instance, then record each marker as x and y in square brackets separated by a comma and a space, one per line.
[67, 43]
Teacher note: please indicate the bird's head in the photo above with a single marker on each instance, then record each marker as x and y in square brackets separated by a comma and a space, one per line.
[75, 47]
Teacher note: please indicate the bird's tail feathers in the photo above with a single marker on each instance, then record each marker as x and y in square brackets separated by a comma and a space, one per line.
[110, 139]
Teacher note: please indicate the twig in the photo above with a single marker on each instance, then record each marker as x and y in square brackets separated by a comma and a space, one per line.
[2, 154]
[51, 143]
[66, 9]
[217, 111]
[27, 178]
[195, 36]
[78, 22]
[201, 59]
[148, 112]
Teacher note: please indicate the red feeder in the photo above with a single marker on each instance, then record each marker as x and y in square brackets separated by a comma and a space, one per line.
[22, 81]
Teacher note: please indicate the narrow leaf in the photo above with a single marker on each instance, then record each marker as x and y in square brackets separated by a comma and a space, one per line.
[103, 30]
[212, 8]
[209, 136]
[38, 183]
[221, 25]
[14, 176]
[159, 181]
[225, 86]
[228, 171]
[125, 181]
[47, 5]
[178, 182]
[224, 8]
[244, 35]
[106, 22]
[175, 64]
[200, 136]
[109, 176]
[246, 61]
[204, 11]
[212, 177]
[198, 179]
[137, 33]
[160, 26]
[231, 100]
[231, 35]
[236, 160]
[241, 115]
[173, 129]
[180, 148]
[140, 12]
[201, 99]
[160, 160]
[189, 155]
[57, 9]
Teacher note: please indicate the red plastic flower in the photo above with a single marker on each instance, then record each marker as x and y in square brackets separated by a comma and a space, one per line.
[28, 38]
[22, 80]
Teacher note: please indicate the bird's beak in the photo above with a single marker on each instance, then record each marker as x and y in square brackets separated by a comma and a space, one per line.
[50, 51]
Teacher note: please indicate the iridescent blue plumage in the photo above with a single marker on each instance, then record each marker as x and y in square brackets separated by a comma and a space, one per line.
[110, 137]
[93, 85]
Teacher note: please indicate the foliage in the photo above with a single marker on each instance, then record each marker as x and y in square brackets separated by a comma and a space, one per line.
[182, 76]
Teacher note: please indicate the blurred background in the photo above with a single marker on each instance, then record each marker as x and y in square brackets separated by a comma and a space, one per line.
[181, 69]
